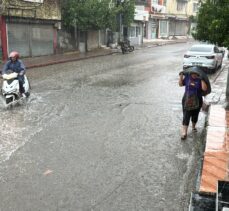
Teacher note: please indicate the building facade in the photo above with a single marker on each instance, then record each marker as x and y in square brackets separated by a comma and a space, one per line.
[137, 28]
[29, 27]
[169, 18]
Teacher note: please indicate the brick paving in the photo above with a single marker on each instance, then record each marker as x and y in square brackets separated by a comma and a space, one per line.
[216, 155]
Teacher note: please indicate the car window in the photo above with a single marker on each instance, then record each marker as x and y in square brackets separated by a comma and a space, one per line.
[216, 50]
[201, 48]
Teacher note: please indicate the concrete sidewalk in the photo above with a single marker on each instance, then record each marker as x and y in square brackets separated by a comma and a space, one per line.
[215, 160]
[40, 61]
[216, 155]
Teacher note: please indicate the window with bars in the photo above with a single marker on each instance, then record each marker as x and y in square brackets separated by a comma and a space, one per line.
[181, 5]
[195, 7]
[134, 31]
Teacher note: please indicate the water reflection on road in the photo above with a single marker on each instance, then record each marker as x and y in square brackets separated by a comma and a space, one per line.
[109, 127]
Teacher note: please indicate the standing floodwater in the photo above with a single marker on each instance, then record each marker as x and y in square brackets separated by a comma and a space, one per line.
[100, 134]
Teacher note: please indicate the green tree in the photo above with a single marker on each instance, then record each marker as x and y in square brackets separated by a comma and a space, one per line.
[127, 9]
[96, 14]
[212, 22]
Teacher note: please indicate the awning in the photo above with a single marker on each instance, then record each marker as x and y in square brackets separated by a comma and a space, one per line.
[158, 16]
[175, 17]
[141, 15]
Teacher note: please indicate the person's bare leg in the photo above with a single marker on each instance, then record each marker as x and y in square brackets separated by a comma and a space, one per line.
[184, 132]
[194, 127]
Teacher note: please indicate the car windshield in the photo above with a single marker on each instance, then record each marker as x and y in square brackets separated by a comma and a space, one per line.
[201, 48]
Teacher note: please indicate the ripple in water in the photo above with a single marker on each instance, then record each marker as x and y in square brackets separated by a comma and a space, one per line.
[21, 122]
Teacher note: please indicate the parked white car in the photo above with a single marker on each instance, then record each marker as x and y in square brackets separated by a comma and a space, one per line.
[206, 56]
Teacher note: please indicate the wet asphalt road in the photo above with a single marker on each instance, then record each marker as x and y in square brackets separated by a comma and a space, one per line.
[101, 134]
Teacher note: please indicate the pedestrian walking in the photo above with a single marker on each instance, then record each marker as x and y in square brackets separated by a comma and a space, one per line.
[192, 99]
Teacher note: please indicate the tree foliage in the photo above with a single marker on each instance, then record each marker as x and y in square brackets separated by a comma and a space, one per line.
[212, 22]
[127, 9]
[96, 14]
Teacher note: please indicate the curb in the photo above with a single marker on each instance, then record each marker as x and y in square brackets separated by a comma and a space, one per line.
[65, 61]
[29, 66]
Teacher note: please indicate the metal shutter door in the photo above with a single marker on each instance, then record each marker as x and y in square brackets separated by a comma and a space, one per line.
[18, 39]
[42, 40]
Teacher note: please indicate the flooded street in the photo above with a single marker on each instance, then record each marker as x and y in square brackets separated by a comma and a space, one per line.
[101, 134]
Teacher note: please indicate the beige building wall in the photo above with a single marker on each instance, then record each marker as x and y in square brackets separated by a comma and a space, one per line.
[184, 8]
[171, 7]
[192, 7]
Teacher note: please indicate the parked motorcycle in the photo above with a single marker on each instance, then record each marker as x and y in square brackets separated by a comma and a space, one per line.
[10, 88]
[126, 47]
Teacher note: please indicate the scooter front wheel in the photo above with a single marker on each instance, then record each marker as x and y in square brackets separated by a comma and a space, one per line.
[9, 100]
[131, 48]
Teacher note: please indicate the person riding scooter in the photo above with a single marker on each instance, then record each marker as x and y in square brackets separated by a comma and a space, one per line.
[14, 64]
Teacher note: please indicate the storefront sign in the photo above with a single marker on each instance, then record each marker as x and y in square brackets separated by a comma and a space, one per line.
[141, 15]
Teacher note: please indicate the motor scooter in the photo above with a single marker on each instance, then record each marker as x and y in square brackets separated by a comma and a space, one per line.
[10, 88]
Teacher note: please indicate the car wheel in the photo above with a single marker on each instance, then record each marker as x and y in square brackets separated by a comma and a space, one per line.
[215, 68]
[220, 64]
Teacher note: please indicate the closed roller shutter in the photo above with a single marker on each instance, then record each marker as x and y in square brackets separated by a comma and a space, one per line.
[181, 28]
[163, 28]
[41, 40]
[172, 28]
[30, 40]
[18, 39]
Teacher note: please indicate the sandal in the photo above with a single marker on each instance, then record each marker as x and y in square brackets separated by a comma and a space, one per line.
[183, 137]
[194, 130]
